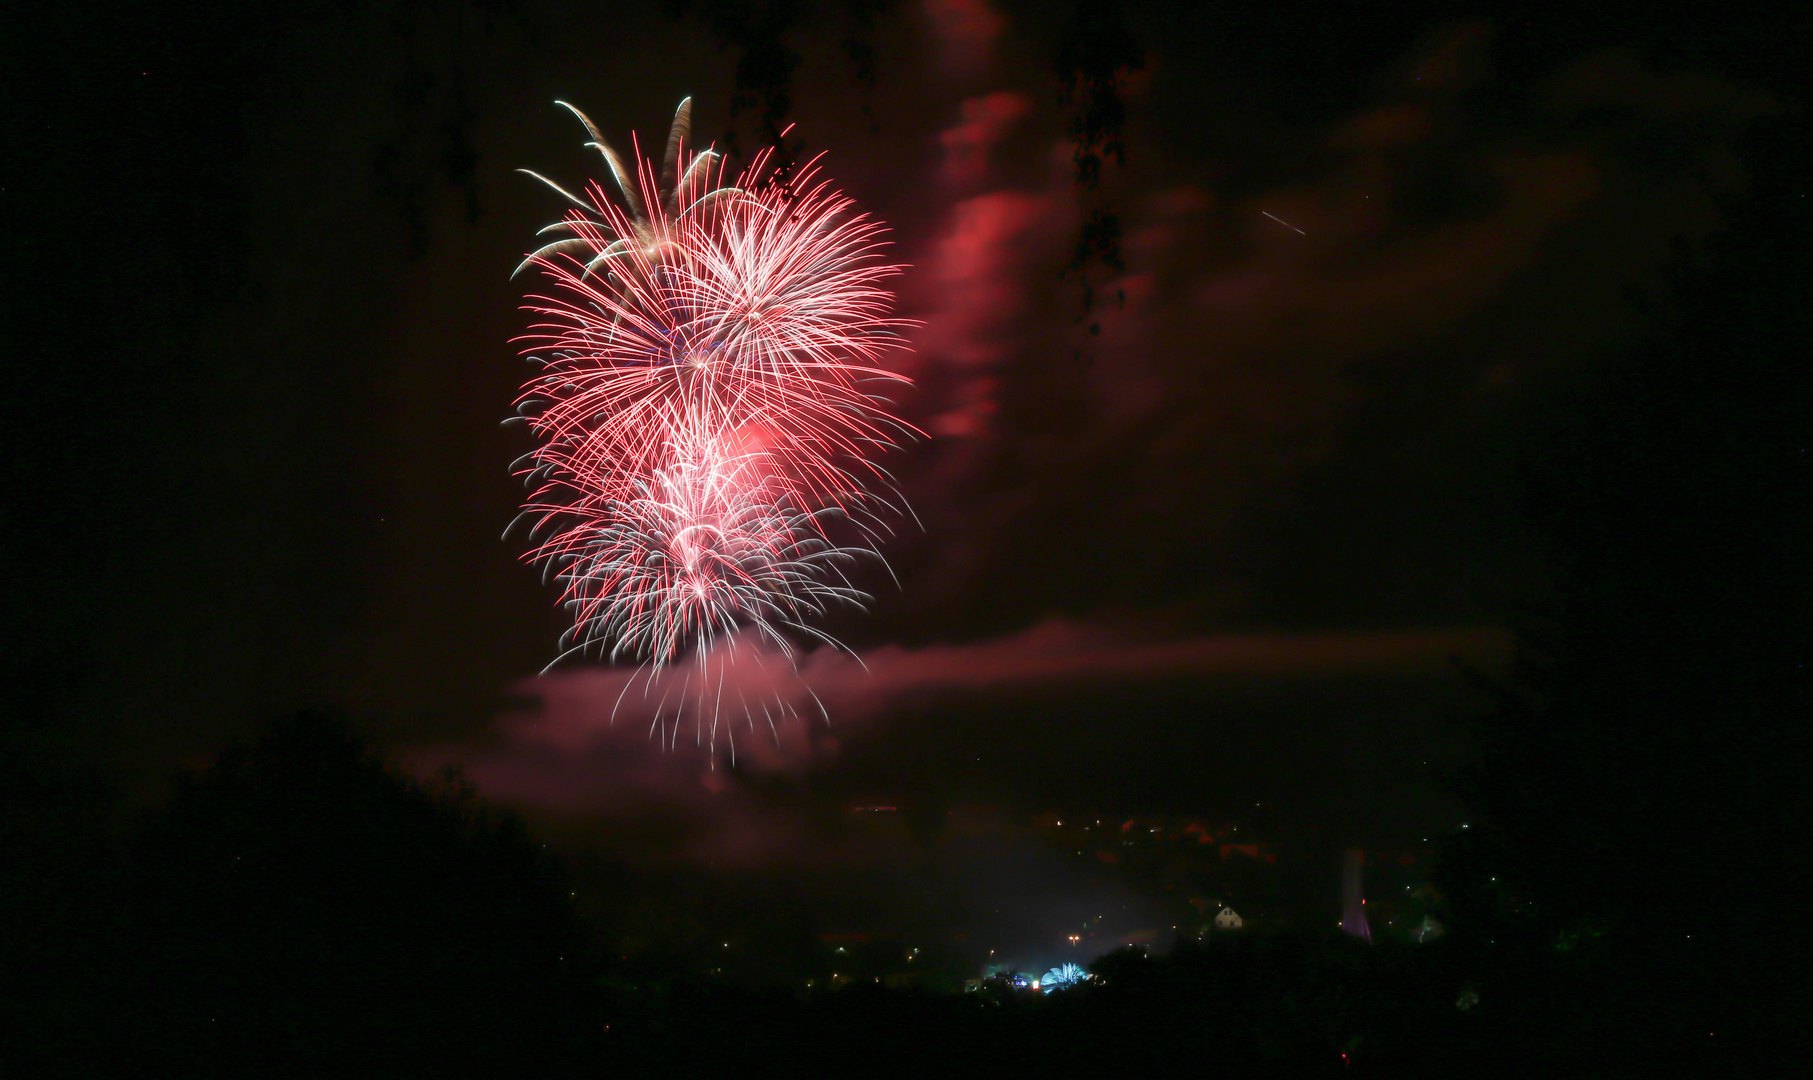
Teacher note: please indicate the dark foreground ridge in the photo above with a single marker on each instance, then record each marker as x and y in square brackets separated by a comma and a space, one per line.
[300, 909]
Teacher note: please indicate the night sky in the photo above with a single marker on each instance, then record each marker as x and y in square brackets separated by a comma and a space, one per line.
[1217, 555]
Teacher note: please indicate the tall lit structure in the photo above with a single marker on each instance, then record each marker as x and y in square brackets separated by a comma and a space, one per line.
[1353, 898]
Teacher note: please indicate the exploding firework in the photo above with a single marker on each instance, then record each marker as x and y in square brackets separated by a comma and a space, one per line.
[706, 406]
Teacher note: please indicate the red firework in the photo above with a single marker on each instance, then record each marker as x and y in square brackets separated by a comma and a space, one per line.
[706, 402]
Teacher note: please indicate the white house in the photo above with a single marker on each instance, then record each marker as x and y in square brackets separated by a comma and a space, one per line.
[1228, 919]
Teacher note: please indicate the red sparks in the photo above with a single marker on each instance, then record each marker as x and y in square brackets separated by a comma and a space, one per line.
[705, 404]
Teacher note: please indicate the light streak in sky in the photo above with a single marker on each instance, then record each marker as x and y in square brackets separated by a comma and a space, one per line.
[1283, 222]
[706, 409]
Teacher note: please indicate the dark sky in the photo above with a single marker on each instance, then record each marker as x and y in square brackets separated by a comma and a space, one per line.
[261, 319]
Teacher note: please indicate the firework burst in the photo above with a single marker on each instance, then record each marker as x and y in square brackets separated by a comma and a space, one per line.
[706, 406]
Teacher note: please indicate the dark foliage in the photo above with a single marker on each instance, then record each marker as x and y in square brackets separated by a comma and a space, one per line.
[59, 887]
[436, 44]
[1094, 56]
[298, 909]
[765, 62]
[1095, 53]
[1626, 868]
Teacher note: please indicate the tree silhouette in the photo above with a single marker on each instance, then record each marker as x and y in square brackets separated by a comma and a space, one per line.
[301, 909]
[59, 888]
[1635, 765]
[1095, 54]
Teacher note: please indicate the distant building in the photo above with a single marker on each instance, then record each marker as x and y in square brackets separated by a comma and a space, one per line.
[1228, 919]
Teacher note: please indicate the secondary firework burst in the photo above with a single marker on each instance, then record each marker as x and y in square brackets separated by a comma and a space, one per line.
[707, 407]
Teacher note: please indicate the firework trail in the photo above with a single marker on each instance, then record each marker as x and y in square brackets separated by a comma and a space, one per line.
[707, 415]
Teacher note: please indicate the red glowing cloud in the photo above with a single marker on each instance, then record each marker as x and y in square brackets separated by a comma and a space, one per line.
[986, 121]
